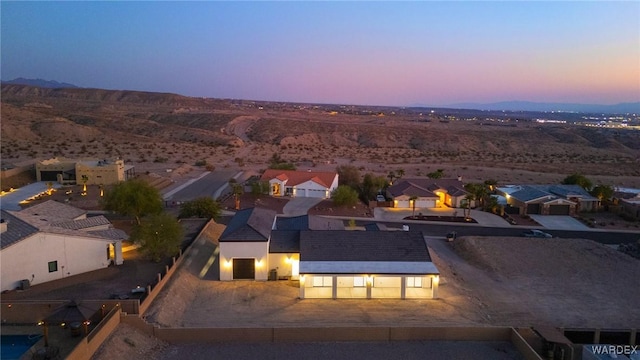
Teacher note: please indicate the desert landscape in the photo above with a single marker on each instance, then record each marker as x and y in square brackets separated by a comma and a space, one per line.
[486, 281]
[171, 135]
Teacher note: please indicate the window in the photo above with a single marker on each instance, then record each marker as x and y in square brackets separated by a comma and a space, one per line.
[322, 281]
[414, 281]
[53, 266]
[358, 281]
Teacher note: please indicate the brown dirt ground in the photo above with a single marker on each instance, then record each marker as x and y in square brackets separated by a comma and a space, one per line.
[326, 207]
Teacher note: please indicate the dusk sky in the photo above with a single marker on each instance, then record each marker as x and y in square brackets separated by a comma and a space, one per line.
[368, 53]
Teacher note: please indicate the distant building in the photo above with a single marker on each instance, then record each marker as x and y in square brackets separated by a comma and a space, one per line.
[428, 193]
[316, 184]
[51, 241]
[547, 199]
[97, 172]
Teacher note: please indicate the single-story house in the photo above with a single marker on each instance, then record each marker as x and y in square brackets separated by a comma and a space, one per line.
[52, 240]
[547, 199]
[628, 201]
[316, 184]
[329, 261]
[429, 193]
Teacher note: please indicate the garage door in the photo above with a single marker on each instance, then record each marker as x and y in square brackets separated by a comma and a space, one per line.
[425, 203]
[559, 210]
[533, 209]
[314, 193]
[402, 204]
[49, 175]
[244, 269]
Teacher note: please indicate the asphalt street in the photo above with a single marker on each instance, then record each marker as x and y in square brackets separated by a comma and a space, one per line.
[604, 237]
[207, 186]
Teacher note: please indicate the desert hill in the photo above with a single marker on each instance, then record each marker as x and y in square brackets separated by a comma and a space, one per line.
[146, 128]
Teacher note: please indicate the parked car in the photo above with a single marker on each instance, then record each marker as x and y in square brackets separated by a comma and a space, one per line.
[536, 234]
[380, 197]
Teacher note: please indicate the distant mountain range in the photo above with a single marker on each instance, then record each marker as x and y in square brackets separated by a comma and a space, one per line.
[622, 108]
[51, 84]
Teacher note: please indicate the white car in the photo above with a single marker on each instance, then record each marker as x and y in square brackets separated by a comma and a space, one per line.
[380, 198]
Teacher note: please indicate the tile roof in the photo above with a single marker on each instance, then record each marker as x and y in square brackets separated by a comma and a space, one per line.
[89, 222]
[390, 246]
[54, 211]
[16, 230]
[42, 218]
[295, 177]
[427, 187]
[113, 234]
[252, 224]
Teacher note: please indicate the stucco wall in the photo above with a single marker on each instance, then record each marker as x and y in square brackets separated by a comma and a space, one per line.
[29, 258]
[284, 263]
[108, 174]
[243, 250]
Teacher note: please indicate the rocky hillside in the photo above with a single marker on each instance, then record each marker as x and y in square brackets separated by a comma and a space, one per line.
[158, 127]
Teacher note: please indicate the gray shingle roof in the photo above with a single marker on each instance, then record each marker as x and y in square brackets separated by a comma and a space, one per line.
[529, 193]
[284, 241]
[363, 246]
[252, 224]
[308, 222]
[16, 230]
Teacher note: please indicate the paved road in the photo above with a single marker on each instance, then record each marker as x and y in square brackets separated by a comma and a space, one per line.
[206, 186]
[559, 222]
[604, 237]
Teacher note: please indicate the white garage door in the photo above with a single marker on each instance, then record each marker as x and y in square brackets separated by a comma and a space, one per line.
[425, 203]
[402, 204]
[313, 193]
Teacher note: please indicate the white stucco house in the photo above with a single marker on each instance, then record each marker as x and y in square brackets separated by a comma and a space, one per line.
[52, 240]
[316, 184]
[329, 261]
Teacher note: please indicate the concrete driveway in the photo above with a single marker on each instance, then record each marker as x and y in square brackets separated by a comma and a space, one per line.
[483, 218]
[300, 206]
[559, 222]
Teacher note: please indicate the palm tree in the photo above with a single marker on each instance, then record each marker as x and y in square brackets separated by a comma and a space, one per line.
[413, 203]
[85, 179]
[236, 189]
[400, 173]
[391, 176]
[49, 187]
[466, 204]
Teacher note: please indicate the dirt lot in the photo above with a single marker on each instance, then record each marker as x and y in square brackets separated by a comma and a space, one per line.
[559, 282]
[497, 281]
[490, 281]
